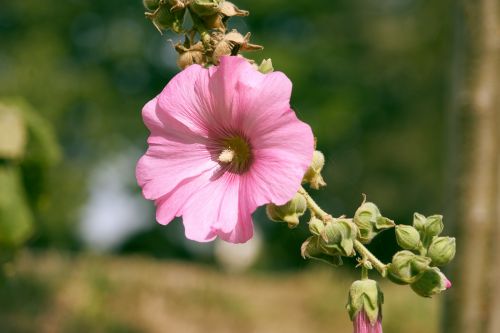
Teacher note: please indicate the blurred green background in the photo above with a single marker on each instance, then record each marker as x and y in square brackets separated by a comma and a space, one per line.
[370, 76]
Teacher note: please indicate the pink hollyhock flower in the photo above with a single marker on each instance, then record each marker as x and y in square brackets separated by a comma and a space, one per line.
[223, 142]
[362, 324]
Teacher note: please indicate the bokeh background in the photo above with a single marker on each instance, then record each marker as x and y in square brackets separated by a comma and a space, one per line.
[372, 78]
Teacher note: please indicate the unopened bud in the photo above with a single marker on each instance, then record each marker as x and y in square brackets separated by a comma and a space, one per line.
[434, 225]
[442, 250]
[407, 267]
[339, 235]
[370, 221]
[266, 66]
[316, 226]
[407, 237]
[313, 174]
[289, 212]
[432, 282]
[365, 295]
[205, 7]
[312, 249]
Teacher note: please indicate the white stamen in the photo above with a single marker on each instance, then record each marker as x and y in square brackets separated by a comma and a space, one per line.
[226, 156]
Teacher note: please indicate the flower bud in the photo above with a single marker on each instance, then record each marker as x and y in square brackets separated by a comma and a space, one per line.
[434, 225]
[432, 282]
[339, 235]
[370, 221]
[266, 66]
[312, 249]
[192, 55]
[428, 227]
[365, 296]
[205, 7]
[316, 226]
[233, 41]
[313, 173]
[406, 267]
[442, 250]
[407, 237]
[151, 4]
[289, 212]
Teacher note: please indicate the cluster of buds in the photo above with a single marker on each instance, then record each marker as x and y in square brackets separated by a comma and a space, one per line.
[370, 221]
[207, 40]
[364, 306]
[424, 250]
[330, 240]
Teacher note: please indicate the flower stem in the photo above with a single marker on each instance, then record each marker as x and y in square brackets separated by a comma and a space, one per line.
[366, 254]
[313, 206]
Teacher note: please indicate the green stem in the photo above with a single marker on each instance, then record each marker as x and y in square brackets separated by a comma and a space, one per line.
[313, 206]
[364, 272]
[366, 254]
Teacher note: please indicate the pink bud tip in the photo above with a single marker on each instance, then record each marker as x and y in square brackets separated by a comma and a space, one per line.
[362, 324]
[447, 283]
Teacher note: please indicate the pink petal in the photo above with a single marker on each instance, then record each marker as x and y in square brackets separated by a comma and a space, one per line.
[281, 157]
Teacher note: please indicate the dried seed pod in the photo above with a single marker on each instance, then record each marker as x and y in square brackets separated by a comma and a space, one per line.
[190, 55]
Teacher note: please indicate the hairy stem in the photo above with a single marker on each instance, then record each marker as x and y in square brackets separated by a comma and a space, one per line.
[313, 206]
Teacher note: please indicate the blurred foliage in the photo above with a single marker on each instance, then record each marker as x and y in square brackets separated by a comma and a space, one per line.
[370, 76]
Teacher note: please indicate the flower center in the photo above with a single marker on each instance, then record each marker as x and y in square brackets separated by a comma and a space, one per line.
[235, 153]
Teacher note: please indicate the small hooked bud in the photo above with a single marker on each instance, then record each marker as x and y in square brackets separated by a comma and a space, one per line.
[232, 43]
[407, 267]
[365, 297]
[205, 7]
[151, 4]
[432, 282]
[313, 173]
[370, 221]
[407, 237]
[289, 212]
[190, 55]
[266, 66]
[442, 250]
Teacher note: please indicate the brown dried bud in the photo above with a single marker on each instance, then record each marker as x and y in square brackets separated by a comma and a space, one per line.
[190, 55]
[232, 43]
[229, 9]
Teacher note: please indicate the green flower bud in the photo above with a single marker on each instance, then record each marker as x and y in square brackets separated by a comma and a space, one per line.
[316, 226]
[205, 7]
[289, 212]
[432, 282]
[266, 66]
[313, 249]
[151, 4]
[434, 225]
[407, 237]
[365, 295]
[338, 236]
[313, 173]
[419, 222]
[442, 250]
[407, 267]
[370, 221]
